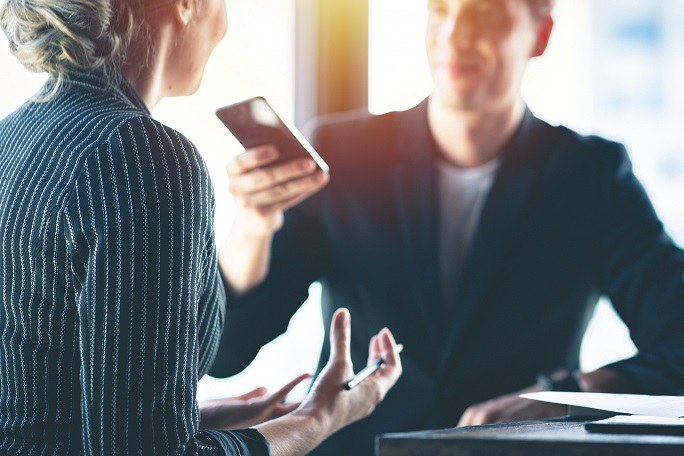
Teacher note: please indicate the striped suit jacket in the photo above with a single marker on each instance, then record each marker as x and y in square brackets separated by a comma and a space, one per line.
[112, 304]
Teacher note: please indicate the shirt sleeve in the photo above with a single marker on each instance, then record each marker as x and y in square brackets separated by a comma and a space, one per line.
[642, 272]
[138, 226]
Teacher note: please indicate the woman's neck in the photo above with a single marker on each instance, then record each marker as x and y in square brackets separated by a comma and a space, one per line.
[145, 69]
[147, 84]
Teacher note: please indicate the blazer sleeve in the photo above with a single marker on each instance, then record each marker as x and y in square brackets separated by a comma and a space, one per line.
[138, 224]
[642, 272]
[298, 258]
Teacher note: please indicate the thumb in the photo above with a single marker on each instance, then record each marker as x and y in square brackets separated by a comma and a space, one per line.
[340, 335]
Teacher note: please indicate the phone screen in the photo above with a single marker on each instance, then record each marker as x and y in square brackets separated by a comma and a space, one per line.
[254, 123]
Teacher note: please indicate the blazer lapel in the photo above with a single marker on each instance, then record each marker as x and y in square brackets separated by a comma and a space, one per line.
[509, 193]
[413, 177]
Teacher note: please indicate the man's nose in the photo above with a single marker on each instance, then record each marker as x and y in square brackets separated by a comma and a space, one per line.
[457, 30]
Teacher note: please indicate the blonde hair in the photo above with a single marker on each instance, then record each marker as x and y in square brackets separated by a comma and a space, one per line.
[62, 37]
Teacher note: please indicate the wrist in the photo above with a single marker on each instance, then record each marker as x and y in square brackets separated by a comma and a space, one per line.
[298, 432]
[607, 380]
[244, 258]
[252, 225]
[207, 417]
[316, 420]
[249, 227]
[561, 380]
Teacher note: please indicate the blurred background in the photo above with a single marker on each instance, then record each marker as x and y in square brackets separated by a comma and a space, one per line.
[614, 68]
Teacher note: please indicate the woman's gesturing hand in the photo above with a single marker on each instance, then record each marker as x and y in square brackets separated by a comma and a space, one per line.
[263, 193]
[328, 400]
[248, 410]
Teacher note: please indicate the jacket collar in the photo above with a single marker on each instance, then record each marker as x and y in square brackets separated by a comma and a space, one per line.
[417, 144]
[116, 84]
[416, 200]
[523, 159]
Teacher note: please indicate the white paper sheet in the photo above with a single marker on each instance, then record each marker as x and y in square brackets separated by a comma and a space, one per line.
[644, 420]
[631, 404]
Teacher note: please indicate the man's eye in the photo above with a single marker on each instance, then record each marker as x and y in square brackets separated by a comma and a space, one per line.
[438, 9]
[488, 14]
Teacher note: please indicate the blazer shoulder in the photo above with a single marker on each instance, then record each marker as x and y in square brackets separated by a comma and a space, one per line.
[141, 146]
[358, 134]
[154, 134]
[142, 139]
[350, 119]
[592, 146]
[588, 150]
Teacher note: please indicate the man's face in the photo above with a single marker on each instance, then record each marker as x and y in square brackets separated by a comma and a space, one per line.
[478, 50]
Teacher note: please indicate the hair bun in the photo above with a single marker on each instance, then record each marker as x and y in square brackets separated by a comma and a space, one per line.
[62, 36]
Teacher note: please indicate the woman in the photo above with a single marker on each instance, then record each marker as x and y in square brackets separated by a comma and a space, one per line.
[112, 303]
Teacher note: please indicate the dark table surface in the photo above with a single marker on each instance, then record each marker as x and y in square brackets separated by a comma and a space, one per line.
[558, 437]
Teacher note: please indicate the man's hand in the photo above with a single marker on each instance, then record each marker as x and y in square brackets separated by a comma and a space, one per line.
[264, 191]
[248, 410]
[508, 408]
[512, 408]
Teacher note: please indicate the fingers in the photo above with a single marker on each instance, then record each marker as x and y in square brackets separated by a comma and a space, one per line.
[340, 336]
[290, 203]
[280, 395]
[389, 348]
[464, 421]
[283, 192]
[265, 178]
[508, 408]
[252, 159]
[473, 416]
[478, 415]
[374, 350]
[391, 370]
[254, 394]
[382, 346]
[258, 183]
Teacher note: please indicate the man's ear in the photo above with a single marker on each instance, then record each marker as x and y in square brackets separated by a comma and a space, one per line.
[544, 29]
[185, 10]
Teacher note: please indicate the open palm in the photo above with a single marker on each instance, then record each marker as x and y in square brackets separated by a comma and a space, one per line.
[248, 410]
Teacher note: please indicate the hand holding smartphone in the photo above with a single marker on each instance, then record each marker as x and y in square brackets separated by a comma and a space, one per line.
[254, 123]
[279, 168]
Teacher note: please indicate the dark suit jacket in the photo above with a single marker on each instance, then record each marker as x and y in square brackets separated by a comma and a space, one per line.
[566, 222]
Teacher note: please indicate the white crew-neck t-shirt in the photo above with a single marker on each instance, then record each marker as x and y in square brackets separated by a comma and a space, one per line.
[462, 195]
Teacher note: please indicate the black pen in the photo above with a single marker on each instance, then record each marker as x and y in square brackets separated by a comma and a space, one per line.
[368, 371]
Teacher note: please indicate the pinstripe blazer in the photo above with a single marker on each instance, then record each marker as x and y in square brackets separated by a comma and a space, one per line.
[112, 304]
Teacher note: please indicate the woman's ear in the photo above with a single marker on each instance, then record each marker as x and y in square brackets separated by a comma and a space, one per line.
[185, 10]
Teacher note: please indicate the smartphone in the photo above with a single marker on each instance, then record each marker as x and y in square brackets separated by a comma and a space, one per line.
[254, 123]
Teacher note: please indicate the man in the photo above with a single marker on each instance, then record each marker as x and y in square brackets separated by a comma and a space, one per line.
[480, 234]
